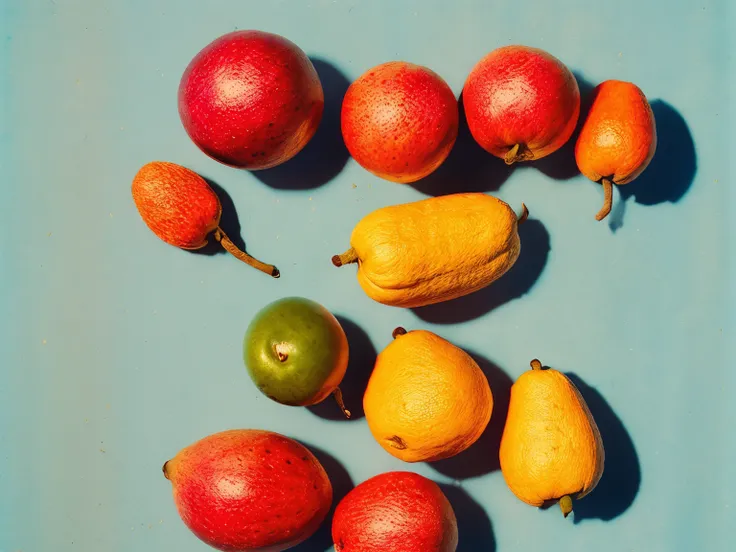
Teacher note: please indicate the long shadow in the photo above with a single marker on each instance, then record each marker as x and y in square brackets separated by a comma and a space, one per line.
[229, 222]
[473, 524]
[482, 457]
[561, 165]
[671, 171]
[325, 155]
[468, 168]
[360, 365]
[342, 484]
[621, 478]
[535, 248]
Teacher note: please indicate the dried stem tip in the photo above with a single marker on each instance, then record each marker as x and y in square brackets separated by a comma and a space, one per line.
[397, 332]
[350, 256]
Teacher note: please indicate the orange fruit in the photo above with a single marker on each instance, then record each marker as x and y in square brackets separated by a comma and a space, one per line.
[618, 138]
[426, 399]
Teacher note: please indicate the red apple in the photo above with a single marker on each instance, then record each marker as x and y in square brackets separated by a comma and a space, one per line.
[395, 512]
[521, 103]
[399, 121]
[251, 99]
[249, 490]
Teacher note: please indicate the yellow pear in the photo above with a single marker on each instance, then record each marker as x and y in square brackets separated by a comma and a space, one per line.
[551, 449]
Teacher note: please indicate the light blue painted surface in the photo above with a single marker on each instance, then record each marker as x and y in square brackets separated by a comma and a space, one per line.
[117, 350]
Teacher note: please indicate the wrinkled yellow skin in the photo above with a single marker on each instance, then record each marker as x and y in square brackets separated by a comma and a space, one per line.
[426, 399]
[551, 446]
[435, 249]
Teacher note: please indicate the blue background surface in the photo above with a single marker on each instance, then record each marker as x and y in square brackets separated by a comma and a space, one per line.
[117, 350]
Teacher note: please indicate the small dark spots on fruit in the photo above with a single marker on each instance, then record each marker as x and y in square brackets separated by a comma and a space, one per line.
[304, 458]
[315, 486]
[263, 154]
[288, 462]
[271, 124]
[297, 108]
[254, 154]
[278, 516]
[250, 450]
[394, 158]
[268, 451]
[406, 164]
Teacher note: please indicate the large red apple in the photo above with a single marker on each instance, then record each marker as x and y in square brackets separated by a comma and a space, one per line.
[399, 121]
[245, 490]
[521, 103]
[251, 99]
[395, 512]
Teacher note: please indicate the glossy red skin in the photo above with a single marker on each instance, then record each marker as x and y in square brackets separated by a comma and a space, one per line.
[249, 490]
[521, 95]
[176, 204]
[399, 121]
[395, 512]
[251, 99]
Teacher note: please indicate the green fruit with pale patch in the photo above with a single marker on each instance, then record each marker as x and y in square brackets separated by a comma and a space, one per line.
[296, 352]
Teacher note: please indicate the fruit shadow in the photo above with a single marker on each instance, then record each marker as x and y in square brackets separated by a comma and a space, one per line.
[519, 280]
[621, 479]
[561, 165]
[342, 484]
[229, 222]
[325, 155]
[468, 168]
[482, 456]
[473, 524]
[672, 170]
[362, 358]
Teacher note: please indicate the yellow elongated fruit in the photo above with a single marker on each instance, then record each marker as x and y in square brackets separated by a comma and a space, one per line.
[551, 449]
[435, 249]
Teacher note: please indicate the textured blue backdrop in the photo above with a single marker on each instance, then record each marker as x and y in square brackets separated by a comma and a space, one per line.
[117, 350]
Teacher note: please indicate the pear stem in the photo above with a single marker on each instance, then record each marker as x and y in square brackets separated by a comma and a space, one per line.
[607, 199]
[524, 215]
[231, 248]
[337, 393]
[566, 505]
[517, 153]
[535, 364]
[397, 332]
[350, 256]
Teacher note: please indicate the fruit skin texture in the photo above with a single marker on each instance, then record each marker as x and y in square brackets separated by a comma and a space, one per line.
[176, 204]
[395, 512]
[426, 399]
[251, 99]
[311, 343]
[551, 446]
[618, 138]
[521, 95]
[249, 490]
[433, 250]
[399, 121]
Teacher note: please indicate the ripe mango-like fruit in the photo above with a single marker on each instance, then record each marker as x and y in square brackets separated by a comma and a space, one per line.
[551, 449]
[435, 249]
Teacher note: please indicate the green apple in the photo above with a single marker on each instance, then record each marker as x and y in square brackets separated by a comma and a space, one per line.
[296, 352]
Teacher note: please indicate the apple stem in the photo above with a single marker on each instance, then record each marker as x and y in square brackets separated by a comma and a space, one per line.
[524, 215]
[350, 256]
[338, 398]
[566, 505]
[535, 364]
[517, 153]
[231, 248]
[397, 332]
[607, 200]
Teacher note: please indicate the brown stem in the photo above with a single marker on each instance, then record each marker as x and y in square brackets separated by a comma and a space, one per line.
[350, 256]
[166, 472]
[231, 248]
[338, 398]
[524, 215]
[535, 364]
[607, 200]
[566, 505]
[517, 153]
[397, 332]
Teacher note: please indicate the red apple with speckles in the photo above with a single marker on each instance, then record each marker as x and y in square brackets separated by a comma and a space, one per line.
[395, 512]
[249, 489]
[521, 103]
[251, 99]
[399, 121]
